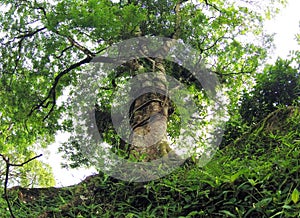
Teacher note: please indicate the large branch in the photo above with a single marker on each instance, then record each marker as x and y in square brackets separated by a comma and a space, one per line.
[52, 93]
[90, 56]
[20, 41]
[177, 29]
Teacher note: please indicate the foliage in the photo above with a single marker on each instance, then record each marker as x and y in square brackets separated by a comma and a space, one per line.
[213, 36]
[277, 85]
[46, 45]
[258, 176]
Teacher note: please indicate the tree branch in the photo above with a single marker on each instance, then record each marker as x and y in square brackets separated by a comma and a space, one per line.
[215, 42]
[80, 47]
[104, 59]
[177, 28]
[213, 6]
[26, 162]
[233, 73]
[8, 165]
[77, 45]
[63, 51]
[30, 34]
[241, 71]
[52, 93]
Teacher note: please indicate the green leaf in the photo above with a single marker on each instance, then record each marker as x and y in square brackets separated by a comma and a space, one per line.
[263, 202]
[295, 196]
[252, 182]
[229, 214]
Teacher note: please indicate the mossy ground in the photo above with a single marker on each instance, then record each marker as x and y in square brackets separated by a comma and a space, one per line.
[256, 176]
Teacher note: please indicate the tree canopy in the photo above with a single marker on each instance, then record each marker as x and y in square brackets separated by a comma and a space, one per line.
[46, 45]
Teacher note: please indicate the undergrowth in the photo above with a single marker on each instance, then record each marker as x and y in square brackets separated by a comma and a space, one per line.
[255, 176]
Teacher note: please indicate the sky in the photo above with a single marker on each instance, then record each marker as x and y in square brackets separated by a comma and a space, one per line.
[285, 25]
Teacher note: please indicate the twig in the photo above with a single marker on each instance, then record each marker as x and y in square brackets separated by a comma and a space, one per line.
[213, 6]
[63, 51]
[215, 42]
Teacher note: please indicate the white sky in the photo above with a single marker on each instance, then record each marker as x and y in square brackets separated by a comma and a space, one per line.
[285, 25]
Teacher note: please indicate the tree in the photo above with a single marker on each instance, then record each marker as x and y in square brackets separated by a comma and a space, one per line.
[47, 45]
[278, 85]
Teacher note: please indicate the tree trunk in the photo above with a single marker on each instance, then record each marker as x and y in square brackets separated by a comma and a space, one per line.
[149, 115]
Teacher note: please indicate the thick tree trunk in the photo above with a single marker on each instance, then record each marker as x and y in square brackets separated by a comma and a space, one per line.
[149, 116]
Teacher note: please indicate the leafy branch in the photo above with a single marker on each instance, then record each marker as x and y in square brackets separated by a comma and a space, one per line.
[51, 97]
[215, 42]
[8, 165]
[52, 93]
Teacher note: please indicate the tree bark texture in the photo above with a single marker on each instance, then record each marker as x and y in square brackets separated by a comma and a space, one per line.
[149, 114]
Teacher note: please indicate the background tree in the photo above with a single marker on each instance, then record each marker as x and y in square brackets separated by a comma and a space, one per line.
[277, 86]
[45, 46]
